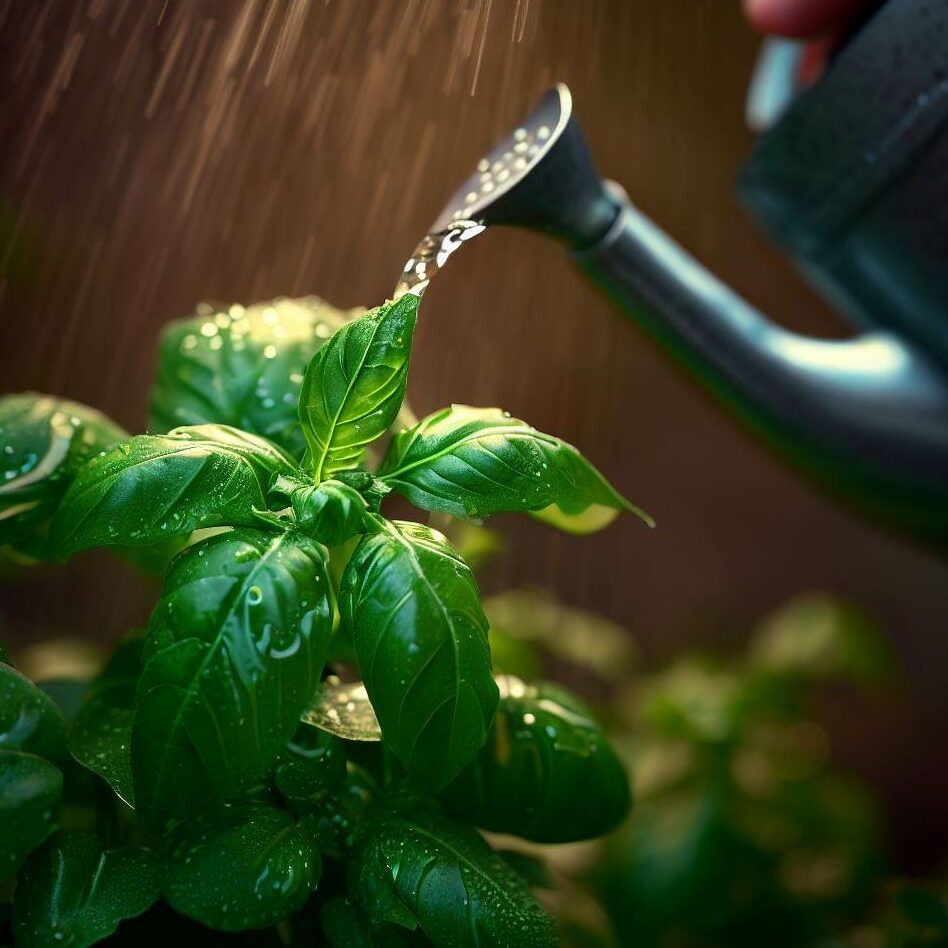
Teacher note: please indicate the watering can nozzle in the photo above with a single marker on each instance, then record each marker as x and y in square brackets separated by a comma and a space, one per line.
[540, 176]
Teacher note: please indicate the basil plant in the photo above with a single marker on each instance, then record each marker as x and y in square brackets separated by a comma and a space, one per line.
[310, 733]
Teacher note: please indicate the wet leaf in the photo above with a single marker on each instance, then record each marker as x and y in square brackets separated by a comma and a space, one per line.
[547, 772]
[100, 738]
[245, 865]
[72, 892]
[234, 652]
[331, 512]
[29, 719]
[420, 635]
[413, 867]
[30, 792]
[44, 441]
[158, 486]
[344, 709]
[312, 764]
[355, 385]
[475, 462]
[345, 925]
[242, 366]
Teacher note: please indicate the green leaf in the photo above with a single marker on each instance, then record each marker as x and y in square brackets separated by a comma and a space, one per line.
[546, 773]
[242, 367]
[29, 719]
[73, 892]
[415, 867]
[43, 443]
[30, 791]
[355, 385]
[475, 462]
[344, 709]
[100, 738]
[158, 486]
[347, 926]
[337, 814]
[311, 765]
[331, 512]
[420, 636]
[582, 639]
[246, 865]
[817, 636]
[234, 653]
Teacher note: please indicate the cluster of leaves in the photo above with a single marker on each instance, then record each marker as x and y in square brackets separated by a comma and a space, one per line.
[236, 778]
[745, 833]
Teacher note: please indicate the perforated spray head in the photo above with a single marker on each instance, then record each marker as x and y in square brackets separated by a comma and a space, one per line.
[540, 176]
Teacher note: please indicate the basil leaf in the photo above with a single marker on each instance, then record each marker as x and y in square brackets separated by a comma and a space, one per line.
[233, 655]
[355, 385]
[346, 926]
[72, 892]
[337, 814]
[30, 791]
[331, 512]
[546, 773]
[420, 638]
[246, 865]
[475, 462]
[158, 486]
[418, 868]
[310, 766]
[29, 719]
[100, 738]
[43, 443]
[344, 709]
[242, 366]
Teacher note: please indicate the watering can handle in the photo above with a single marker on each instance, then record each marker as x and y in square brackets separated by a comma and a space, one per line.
[868, 416]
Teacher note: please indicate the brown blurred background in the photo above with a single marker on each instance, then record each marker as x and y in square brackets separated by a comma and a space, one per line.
[154, 154]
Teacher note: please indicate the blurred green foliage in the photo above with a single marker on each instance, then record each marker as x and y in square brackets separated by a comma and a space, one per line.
[744, 832]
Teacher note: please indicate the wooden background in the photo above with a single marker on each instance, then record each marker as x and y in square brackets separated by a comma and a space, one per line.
[154, 154]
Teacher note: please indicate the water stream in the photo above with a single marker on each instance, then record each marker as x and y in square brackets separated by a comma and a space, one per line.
[431, 255]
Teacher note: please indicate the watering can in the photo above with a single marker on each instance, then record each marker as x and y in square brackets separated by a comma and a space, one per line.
[852, 182]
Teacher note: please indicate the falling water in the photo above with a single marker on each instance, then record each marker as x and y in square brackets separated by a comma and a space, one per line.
[431, 254]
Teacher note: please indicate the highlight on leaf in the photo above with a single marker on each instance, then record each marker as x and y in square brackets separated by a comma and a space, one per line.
[344, 709]
[476, 462]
